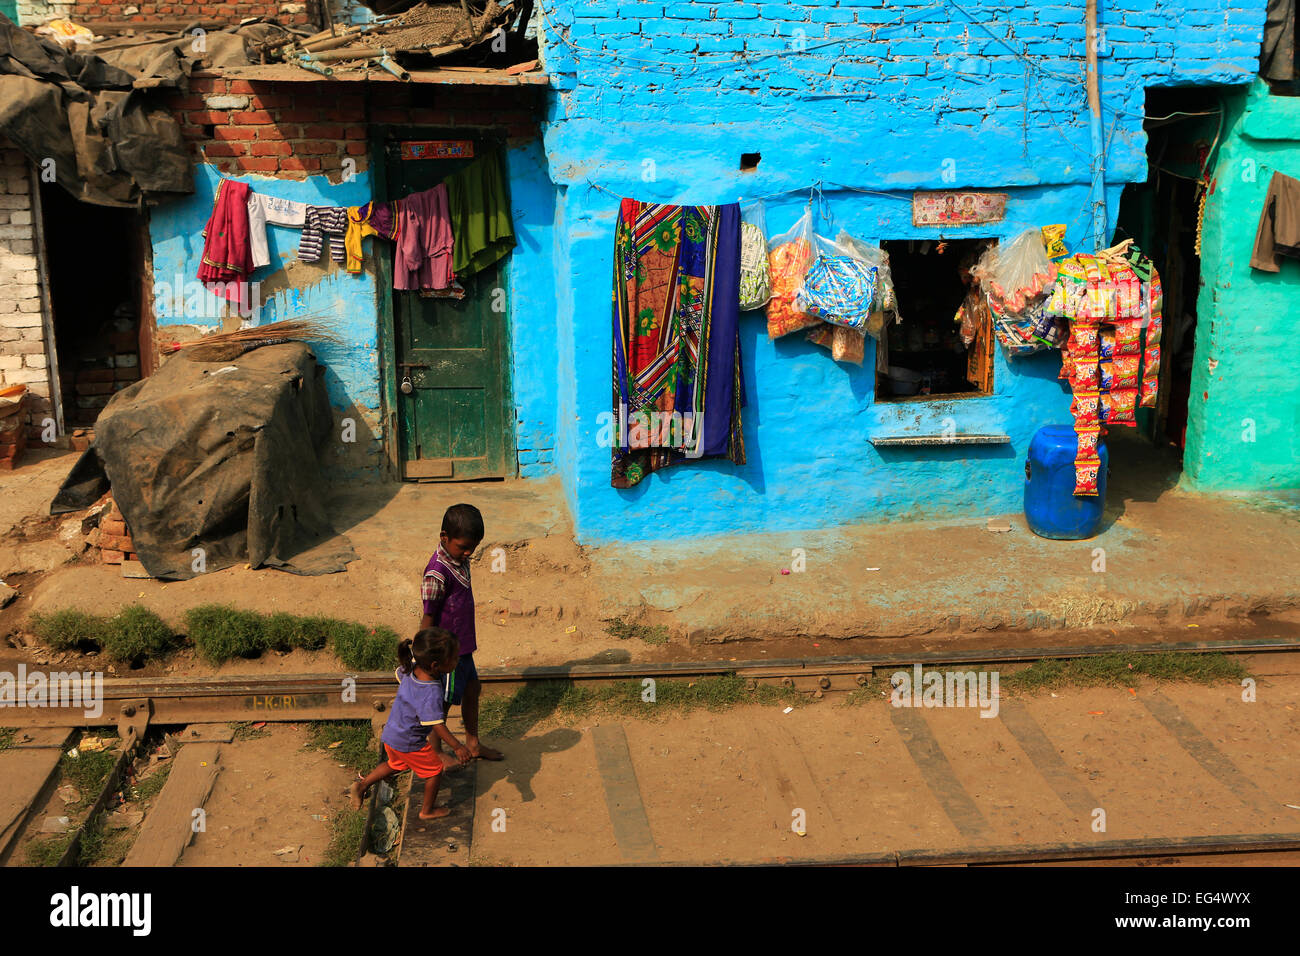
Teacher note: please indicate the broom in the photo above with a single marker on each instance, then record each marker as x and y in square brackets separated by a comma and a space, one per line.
[224, 346]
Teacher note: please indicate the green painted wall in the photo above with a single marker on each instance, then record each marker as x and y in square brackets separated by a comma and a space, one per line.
[1244, 410]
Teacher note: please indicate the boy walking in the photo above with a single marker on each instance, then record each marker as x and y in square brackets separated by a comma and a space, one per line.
[449, 604]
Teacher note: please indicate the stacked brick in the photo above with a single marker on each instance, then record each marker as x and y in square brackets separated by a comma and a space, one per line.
[114, 538]
[286, 13]
[113, 366]
[297, 130]
[22, 337]
[13, 434]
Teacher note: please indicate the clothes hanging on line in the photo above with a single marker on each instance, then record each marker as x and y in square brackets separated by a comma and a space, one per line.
[319, 222]
[678, 383]
[423, 258]
[227, 253]
[1279, 224]
[263, 209]
[371, 219]
[479, 208]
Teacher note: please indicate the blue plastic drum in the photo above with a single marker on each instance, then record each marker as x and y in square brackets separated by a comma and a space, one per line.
[1051, 506]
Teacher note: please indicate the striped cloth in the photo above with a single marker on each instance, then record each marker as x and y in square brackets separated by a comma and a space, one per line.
[319, 222]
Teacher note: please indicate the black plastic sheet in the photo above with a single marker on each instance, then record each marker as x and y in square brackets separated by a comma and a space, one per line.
[220, 457]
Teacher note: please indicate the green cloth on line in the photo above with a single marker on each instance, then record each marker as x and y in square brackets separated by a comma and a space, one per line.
[479, 209]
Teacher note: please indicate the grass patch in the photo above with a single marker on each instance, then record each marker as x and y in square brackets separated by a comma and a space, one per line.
[87, 772]
[510, 716]
[1102, 670]
[1119, 670]
[6, 737]
[284, 632]
[152, 785]
[136, 634]
[363, 648]
[358, 748]
[48, 851]
[346, 828]
[221, 632]
[627, 630]
[68, 630]
[244, 730]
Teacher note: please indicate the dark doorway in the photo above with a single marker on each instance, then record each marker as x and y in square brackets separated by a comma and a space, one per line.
[1162, 215]
[96, 258]
[927, 356]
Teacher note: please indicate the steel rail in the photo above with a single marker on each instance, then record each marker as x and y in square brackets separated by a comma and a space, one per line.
[354, 695]
[1029, 854]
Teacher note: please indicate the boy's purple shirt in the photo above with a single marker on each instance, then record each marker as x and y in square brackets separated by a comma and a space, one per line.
[453, 608]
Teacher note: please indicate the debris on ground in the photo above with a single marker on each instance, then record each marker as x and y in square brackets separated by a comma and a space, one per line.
[384, 832]
[289, 854]
[56, 825]
[123, 819]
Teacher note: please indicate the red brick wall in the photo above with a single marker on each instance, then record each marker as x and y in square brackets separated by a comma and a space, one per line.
[84, 11]
[296, 130]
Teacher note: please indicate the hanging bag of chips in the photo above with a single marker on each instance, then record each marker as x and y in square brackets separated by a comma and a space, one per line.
[755, 281]
[788, 258]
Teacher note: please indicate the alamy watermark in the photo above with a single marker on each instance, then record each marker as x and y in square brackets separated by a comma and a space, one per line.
[55, 689]
[193, 299]
[946, 689]
[653, 429]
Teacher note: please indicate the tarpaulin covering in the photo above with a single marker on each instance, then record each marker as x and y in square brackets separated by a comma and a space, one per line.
[92, 115]
[1277, 60]
[220, 456]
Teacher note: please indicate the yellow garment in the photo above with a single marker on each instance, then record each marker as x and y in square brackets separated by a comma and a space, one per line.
[358, 229]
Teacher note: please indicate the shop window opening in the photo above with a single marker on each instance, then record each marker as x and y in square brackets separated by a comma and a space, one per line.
[926, 356]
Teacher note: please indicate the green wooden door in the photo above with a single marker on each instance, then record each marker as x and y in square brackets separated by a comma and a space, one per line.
[453, 423]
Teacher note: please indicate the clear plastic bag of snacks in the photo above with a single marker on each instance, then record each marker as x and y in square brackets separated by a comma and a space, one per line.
[788, 257]
[755, 280]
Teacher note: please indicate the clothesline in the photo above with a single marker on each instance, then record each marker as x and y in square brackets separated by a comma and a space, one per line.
[455, 229]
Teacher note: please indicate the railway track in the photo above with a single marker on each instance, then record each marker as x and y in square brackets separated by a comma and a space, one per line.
[134, 704]
[366, 696]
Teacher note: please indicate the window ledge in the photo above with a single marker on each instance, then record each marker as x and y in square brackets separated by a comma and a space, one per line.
[894, 441]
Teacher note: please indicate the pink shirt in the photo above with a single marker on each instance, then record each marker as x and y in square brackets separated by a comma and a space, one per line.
[424, 244]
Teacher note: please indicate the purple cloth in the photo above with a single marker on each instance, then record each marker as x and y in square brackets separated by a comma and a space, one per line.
[382, 217]
[454, 609]
[424, 242]
[416, 709]
[724, 377]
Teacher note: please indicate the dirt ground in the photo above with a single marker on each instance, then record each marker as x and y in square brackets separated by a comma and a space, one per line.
[727, 786]
[1171, 560]
[271, 794]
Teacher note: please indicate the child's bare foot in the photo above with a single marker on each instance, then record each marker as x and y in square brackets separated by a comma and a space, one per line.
[483, 752]
[356, 795]
[436, 813]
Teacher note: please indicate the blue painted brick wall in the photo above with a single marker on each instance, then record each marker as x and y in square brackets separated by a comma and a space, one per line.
[657, 101]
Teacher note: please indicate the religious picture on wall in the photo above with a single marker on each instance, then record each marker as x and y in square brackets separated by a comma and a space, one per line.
[957, 208]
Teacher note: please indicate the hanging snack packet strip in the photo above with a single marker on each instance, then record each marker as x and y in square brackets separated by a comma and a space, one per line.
[1151, 355]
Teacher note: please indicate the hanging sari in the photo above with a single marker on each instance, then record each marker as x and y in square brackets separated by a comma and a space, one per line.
[678, 388]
